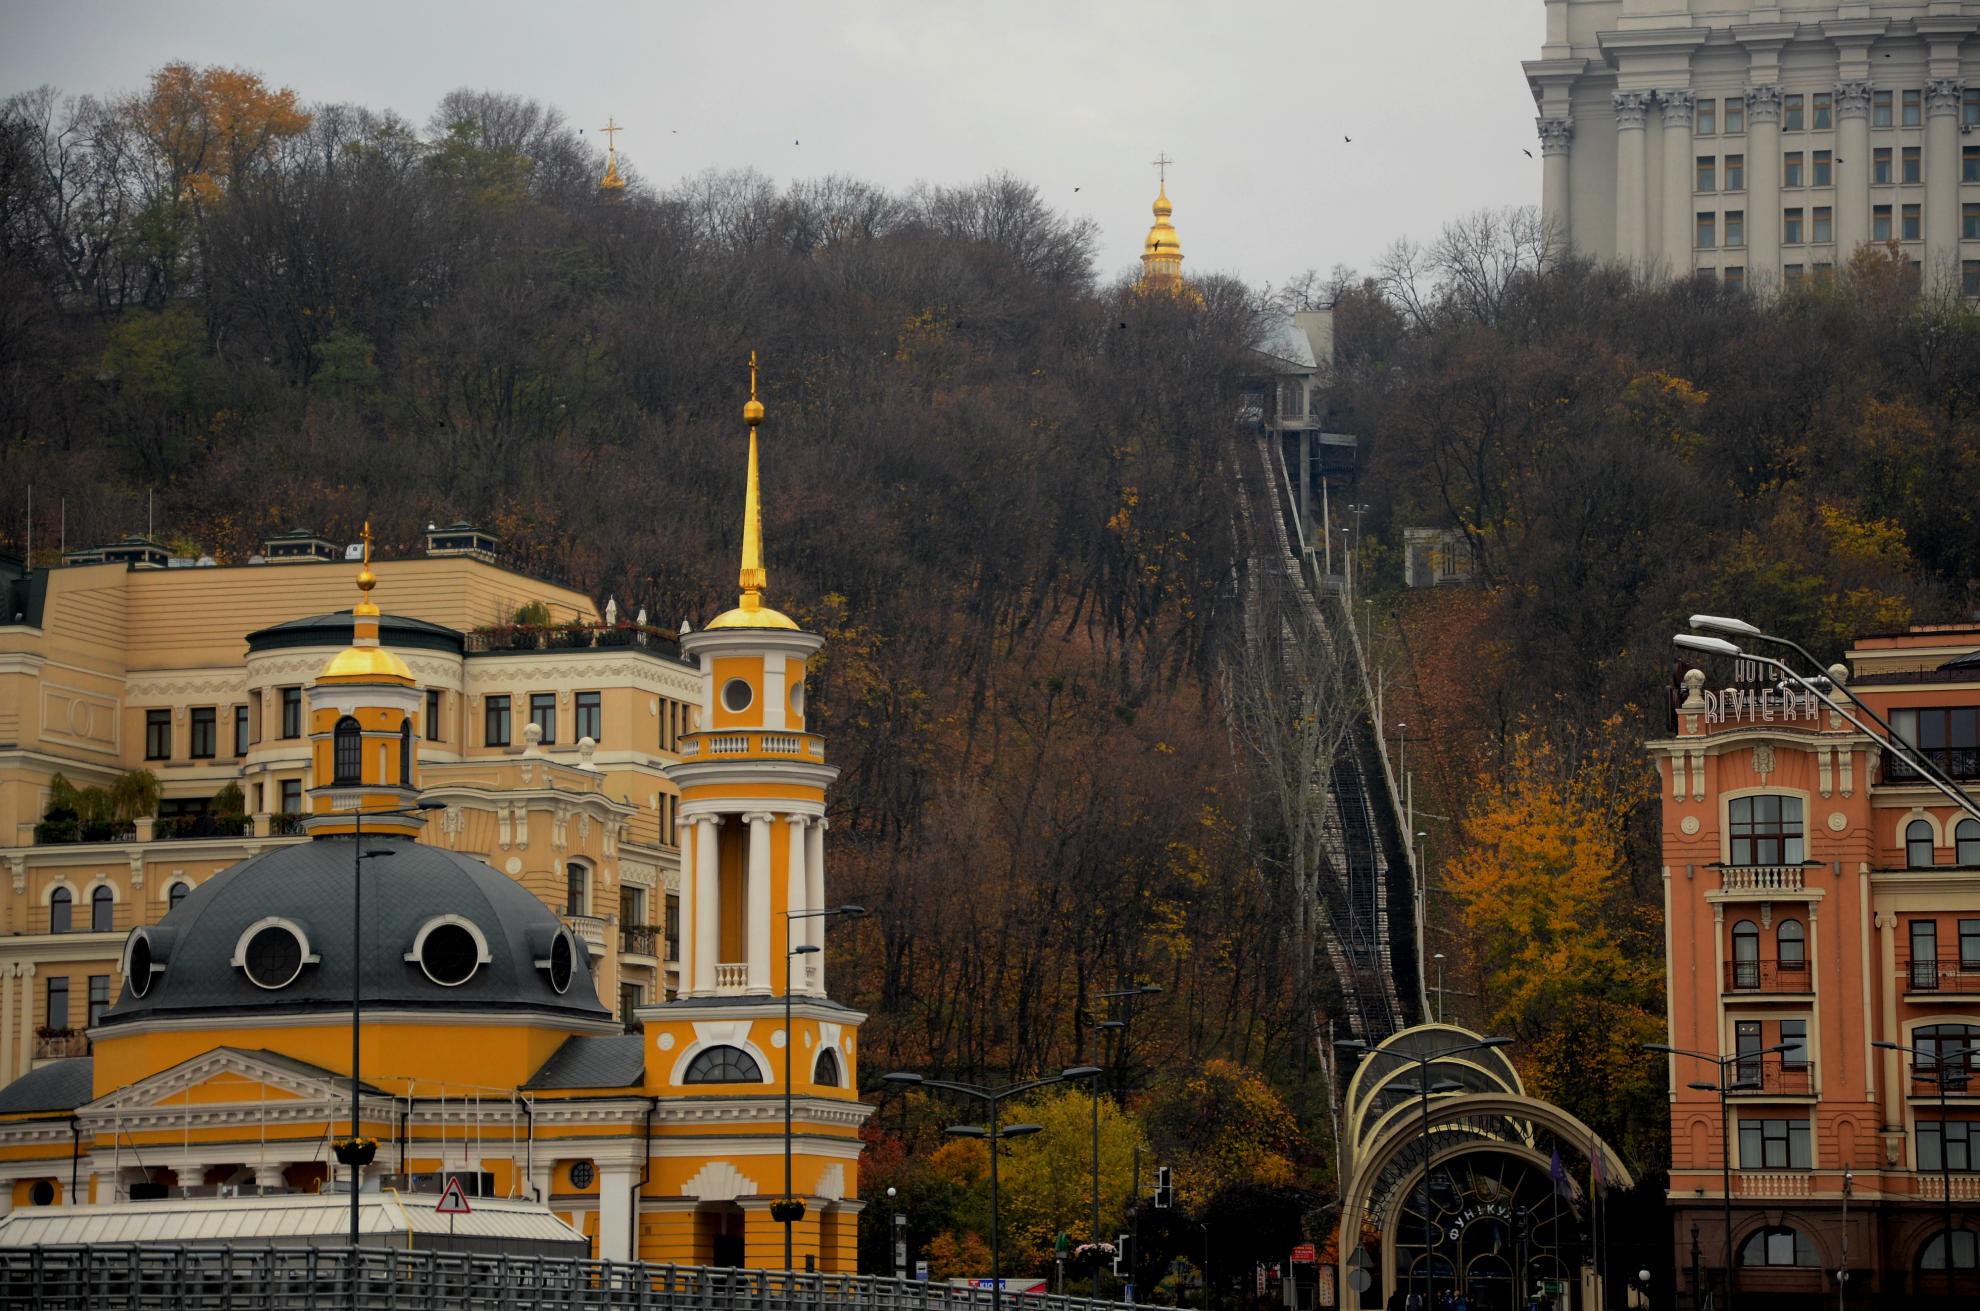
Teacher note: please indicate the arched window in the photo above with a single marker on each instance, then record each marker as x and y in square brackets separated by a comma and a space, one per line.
[405, 753]
[348, 753]
[61, 903]
[102, 909]
[1777, 1246]
[1746, 954]
[1965, 1250]
[176, 895]
[1791, 945]
[576, 881]
[825, 1072]
[1918, 845]
[722, 1065]
[1967, 836]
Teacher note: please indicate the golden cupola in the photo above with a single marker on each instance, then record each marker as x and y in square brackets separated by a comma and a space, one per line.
[1161, 252]
[611, 186]
[754, 579]
[364, 660]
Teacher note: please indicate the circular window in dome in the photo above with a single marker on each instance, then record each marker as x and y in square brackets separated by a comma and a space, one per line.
[137, 963]
[42, 1194]
[272, 953]
[737, 694]
[797, 698]
[562, 962]
[449, 949]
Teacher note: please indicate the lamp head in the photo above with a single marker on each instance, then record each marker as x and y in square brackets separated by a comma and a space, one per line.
[1721, 624]
[967, 1131]
[1710, 645]
[1081, 1072]
[1664, 1047]
[1352, 1045]
[851, 912]
[1703, 1087]
[427, 804]
[1889, 1046]
[805, 949]
[902, 1079]
[1020, 1130]
[377, 851]
[1446, 1086]
[1495, 1042]
[1150, 989]
[1111, 1024]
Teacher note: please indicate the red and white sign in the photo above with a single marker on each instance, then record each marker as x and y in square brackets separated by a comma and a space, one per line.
[454, 1201]
[1303, 1254]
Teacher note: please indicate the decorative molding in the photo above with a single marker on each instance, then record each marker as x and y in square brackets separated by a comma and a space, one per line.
[719, 1181]
[1690, 825]
[1556, 135]
[1678, 104]
[1852, 100]
[1763, 104]
[1632, 110]
[1763, 758]
[1942, 96]
[167, 689]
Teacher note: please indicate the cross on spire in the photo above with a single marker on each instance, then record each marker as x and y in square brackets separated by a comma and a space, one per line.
[1162, 162]
[611, 131]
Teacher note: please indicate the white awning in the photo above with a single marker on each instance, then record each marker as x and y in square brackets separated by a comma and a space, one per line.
[298, 1217]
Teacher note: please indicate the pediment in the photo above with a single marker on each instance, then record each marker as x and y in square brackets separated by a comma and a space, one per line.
[226, 1076]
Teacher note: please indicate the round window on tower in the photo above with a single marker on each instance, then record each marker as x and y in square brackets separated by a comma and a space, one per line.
[797, 698]
[736, 695]
[272, 953]
[561, 963]
[137, 962]
[449, 950]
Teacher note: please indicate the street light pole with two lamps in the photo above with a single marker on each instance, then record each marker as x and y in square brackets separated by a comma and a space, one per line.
[789, 1210]
[1944, 1063]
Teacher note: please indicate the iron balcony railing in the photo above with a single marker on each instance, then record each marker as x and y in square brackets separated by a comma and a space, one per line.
[1940, 976]
[1769, 1077]
[305, 1278]
[1768, 976]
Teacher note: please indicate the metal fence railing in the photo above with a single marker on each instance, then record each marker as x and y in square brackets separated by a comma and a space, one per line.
[272, 1278]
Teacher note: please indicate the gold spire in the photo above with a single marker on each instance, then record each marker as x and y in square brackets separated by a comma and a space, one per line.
[611, 181]
[364, 660]
[753, 578]
[1161, 252]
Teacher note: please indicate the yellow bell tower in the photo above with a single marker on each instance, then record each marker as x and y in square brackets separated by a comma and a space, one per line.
[752, 782]
[363, 729]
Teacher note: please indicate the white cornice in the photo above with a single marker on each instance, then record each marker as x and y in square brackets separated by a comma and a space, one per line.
[786, 773]
[251, 1020]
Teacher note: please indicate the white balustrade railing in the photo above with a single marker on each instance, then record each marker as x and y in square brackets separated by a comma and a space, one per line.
[1761, 878]
[1773, 1183]
[738, 745]
[731, 976]
[781, 744]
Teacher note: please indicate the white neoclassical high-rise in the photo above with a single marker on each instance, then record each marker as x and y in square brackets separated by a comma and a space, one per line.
[1748, 141]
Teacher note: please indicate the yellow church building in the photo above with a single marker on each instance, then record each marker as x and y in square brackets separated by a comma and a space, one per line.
[228, 1060]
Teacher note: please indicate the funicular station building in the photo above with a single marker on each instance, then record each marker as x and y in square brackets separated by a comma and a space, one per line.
[1821, 901]
[219, 1064]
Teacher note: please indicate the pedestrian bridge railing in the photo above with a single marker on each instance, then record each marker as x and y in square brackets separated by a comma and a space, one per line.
[328, 1278]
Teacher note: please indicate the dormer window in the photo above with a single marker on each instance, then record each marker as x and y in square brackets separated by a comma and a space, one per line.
[347, 753]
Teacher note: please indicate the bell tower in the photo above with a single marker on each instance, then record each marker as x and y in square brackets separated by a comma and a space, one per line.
[753, 1025]
[363, 729]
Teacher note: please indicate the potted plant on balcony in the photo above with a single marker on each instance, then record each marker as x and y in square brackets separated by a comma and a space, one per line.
[787, 1210]
[355, 1151]
[573, 634]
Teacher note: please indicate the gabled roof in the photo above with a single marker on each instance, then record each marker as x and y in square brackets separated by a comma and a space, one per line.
[57, 1086]
[613, 1061]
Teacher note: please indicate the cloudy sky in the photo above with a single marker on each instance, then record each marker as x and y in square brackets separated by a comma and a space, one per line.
[1252, 99]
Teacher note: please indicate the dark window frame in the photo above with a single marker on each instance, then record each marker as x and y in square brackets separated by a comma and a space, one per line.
[543, 714]
[292, 716]
[1763, 832]
[432, 724]
[588, 708]
[1920, 851]
[495, 720]
[102, 909]
[1783, 1144]
[242, 740]
[61, 911]
[722, 1063]
[158, 735]
[347, 753]
[99, 999]
[203, 733]
[58, 987]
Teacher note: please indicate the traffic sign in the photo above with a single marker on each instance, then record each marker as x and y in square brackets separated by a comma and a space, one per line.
[1361, 1260]
[454, 1201]
[1359, 1279]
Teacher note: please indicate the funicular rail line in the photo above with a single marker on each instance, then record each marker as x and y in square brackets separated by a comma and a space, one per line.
[1359, 821]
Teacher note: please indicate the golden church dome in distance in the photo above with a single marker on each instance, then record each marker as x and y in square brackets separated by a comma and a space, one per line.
[1161, 250]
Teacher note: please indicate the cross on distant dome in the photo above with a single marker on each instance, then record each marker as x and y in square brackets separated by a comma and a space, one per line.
[611, 131]
[1162, 162]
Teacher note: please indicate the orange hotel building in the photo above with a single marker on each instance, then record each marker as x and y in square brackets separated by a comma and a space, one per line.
[1818, 893]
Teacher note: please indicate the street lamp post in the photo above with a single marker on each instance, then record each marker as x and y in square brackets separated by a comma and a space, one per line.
[1424, 1087]
[790, 1042]
[1939, 1058]
[1093, 1073]
[994, 1135]
[358, 856]
[1722, 1087]
[1126, 997]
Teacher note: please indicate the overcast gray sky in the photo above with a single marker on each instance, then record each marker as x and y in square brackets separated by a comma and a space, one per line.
[1251, 98]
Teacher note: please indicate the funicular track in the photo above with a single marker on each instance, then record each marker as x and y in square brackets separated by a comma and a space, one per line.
[1363, 845]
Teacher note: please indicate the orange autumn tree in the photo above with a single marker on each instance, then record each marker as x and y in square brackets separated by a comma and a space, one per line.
[209, 124]
[1567, 954]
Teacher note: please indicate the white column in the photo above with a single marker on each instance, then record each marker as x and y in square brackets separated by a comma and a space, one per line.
[24, 972]
[758, 904]
[796, 932]
[615, 1184]
[8, 1071]
[707, 902]
[814, 875]
[657, 914]
[1942, 172]
[1676, 220]
[268, 1177]
[1763, 184]
[539, 1181]
[103, 1183]
[1556, 137]
[1852, 169]
[1632, 116]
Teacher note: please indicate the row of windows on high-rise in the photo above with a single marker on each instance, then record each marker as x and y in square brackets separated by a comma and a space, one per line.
[1889, 166]
[1815, 111]
[1805, 225]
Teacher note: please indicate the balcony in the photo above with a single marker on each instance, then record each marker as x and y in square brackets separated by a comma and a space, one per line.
[590, 930]
[60, 832]
[1791, 978]
[1958, 763]
[54, 1044]
[732, 746]
[1761, 880]
[503, 638]
[1773, 1183]
[731, 977]
[1931, 1186]
[1926, 980]
[1770, 1078]
[642, 940]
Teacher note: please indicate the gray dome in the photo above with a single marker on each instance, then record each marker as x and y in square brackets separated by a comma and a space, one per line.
[307, 887]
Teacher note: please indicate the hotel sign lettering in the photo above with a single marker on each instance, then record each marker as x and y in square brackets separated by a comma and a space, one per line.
[1760, 705]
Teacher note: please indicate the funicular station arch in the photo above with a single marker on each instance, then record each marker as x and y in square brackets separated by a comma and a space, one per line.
[1497, 1224]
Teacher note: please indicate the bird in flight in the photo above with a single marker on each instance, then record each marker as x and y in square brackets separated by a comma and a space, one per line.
[1524, 151]
[1075, 188]
[1349, 140]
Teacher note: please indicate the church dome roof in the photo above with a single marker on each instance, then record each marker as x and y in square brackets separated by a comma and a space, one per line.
[272, 935]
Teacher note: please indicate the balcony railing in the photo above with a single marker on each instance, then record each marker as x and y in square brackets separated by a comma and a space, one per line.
[181, 828]
[58, 832]
[788, 746]
[1770, 1078]
[569, 637]
[1939, 976]
[1773, 1183]
[1768, 976]
[731, 977]
[639, 940]
[1932, 1186]
[590, 930]
[1961, 763]
[1761, 878]
[59, 1043]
